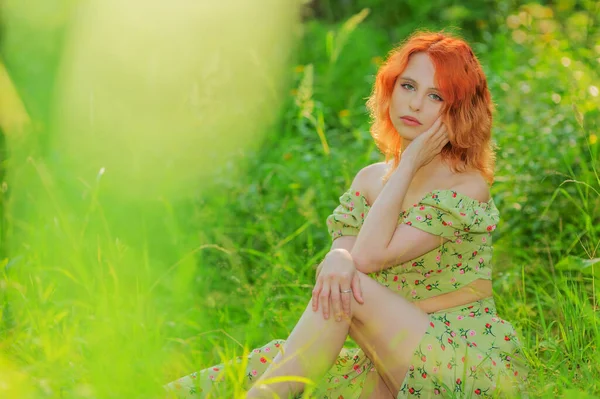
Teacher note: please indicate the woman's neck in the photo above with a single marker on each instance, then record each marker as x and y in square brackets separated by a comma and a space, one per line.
[434, 170]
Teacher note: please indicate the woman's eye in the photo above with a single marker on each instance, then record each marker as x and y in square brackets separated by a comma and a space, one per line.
[407, 86]
[436, 97]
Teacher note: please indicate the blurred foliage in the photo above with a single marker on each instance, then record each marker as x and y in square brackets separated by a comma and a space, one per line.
[546, 90]
[474, 18]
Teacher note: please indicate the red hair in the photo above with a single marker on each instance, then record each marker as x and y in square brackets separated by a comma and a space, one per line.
[467, 109]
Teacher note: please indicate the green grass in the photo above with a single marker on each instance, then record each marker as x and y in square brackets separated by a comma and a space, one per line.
[108, 298]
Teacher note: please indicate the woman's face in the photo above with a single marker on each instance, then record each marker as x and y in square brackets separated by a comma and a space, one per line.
[416, 102]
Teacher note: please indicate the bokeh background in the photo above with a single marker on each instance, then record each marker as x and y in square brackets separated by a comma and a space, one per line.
[167, 168]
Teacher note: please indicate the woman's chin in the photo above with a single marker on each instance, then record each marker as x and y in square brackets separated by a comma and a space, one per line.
[407, 133]
[408, 136]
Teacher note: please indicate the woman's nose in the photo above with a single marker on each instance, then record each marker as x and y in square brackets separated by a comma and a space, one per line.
[415, 103]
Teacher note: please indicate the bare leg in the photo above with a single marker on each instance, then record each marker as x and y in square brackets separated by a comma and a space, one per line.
[375, 387]
[392, 327]
[388, 328]
[309, 352]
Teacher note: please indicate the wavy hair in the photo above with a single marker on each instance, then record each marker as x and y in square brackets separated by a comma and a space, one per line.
[466, 111]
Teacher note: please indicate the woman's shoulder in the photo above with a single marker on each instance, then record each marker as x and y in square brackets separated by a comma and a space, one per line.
[472, 185]
[369, 180]
[374, 171]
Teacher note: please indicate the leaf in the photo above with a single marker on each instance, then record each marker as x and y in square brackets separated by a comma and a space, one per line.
[291, 378]
[574, 263]
[338, 43]
[578, 115]
[304, 98]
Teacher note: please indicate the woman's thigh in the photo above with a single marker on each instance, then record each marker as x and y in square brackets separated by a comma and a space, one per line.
[375, 387]
[388, 328]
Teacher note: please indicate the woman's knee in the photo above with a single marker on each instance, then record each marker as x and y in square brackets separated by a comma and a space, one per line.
[377, 298]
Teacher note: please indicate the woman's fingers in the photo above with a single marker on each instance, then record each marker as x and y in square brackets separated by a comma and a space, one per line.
[356, 289]
[346, 293]
[442, 138]
[439, 139]
[440, 130]
[436, 126]
[336, 304]
[324, 299]
[315, 294]
[338, 274]
[443, 131]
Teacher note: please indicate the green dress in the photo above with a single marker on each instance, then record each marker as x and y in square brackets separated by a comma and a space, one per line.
[467, 351]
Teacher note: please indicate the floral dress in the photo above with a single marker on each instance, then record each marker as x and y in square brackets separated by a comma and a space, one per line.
[467, 352]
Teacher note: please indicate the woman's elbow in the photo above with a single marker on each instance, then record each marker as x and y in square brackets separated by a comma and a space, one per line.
[365, 264]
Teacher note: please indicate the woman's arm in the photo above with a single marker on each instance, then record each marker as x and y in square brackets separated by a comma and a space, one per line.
[381, 242]
[381, 224]
[413, 242]
[475, 291]
[472, 292]
[345, 242]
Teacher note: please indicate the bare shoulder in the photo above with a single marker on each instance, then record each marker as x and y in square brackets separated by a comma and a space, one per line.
[369, 179]
[472, 184]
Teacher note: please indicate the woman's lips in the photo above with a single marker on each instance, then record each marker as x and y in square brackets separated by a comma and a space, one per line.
[410, 121]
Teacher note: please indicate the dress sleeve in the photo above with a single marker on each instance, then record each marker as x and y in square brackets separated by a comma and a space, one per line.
[450, 217]
[348, 217]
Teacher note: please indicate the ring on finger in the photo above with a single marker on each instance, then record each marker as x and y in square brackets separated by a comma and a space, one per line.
[345, 291]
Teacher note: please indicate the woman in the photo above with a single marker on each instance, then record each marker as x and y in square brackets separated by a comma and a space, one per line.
[409, 273]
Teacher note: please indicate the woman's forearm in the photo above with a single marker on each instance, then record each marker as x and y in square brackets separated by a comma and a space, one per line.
[475, 291]
[346, 242]
[382, 220]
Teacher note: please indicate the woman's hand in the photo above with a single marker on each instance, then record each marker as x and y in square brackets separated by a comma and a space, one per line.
[337, 280]
[426, 146]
